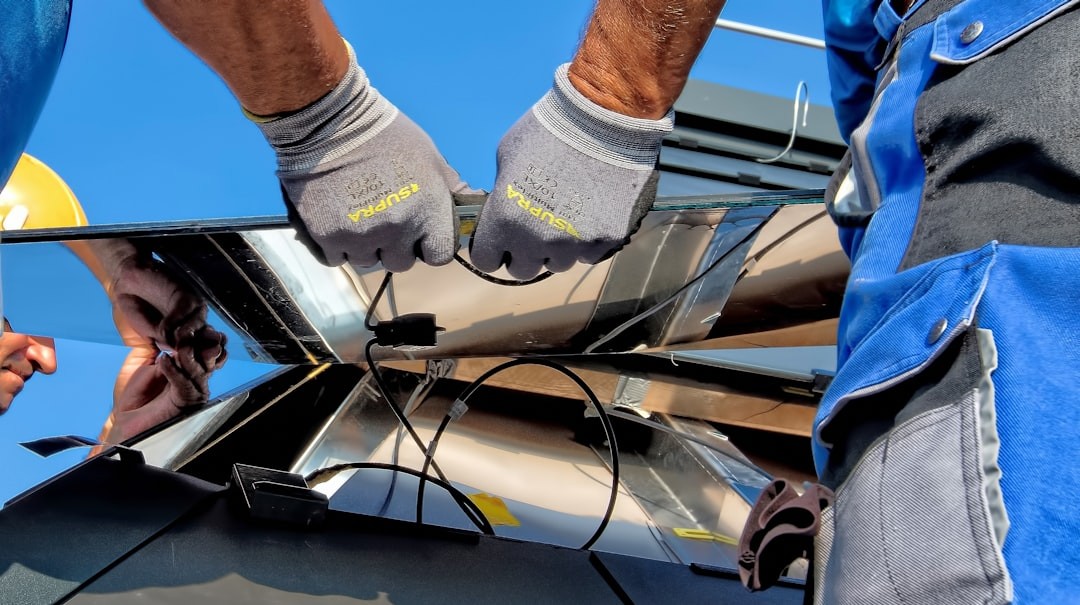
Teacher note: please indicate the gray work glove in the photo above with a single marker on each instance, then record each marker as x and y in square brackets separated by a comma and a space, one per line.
[574, 181]
[363, 183]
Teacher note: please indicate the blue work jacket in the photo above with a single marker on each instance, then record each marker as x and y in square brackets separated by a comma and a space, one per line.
[898, 318]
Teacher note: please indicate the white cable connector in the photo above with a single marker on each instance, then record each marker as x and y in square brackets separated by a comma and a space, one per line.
[458, 409]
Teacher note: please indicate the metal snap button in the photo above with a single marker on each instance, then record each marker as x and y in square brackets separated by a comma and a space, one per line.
[936, 331]
[971, 32]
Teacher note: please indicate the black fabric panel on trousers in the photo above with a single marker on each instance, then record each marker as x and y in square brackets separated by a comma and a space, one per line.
[998, 138]
[929, 11]
[944, 382]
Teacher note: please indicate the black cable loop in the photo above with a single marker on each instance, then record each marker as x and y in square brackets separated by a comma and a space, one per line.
[498, 280]
[468, 506]
[609, 431]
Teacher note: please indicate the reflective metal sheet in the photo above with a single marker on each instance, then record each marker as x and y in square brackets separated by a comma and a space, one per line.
[693, 262]
[521, 448]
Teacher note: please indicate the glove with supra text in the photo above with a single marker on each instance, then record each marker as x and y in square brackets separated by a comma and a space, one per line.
[574, 181]
[362, 183]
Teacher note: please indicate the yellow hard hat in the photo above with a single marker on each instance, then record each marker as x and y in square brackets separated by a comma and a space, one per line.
[35, 197]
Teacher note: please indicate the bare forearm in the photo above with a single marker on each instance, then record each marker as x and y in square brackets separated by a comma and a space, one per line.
[636, 54]
[275, 55]
[103, 257]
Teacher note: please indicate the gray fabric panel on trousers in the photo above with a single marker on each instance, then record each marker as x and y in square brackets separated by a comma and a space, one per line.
[911, 521]
[998, 139]
[823, 542]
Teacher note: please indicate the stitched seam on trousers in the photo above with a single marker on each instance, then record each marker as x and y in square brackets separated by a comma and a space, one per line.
[906, 429]
[881, 520]
[968, 504]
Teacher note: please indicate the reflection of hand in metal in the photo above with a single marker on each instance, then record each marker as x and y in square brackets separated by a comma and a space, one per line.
[173, 351]
[153, 388]
[151, 305]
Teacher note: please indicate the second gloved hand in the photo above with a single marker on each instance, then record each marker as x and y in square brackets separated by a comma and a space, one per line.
[362, 183]
[574, 182]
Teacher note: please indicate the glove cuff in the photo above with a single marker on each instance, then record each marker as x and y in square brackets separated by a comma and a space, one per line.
[600, 133]
[345, 118]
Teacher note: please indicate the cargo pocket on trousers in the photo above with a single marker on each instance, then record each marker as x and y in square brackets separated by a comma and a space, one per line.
[920, 517]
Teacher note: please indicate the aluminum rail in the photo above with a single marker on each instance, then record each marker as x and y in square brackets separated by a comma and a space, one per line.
[772, 34]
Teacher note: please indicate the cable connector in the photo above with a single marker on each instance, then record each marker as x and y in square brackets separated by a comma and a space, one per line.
[458, 409]
[413, 331]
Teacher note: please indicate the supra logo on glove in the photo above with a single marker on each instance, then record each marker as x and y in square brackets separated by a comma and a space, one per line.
[539, 212]
[384, 204]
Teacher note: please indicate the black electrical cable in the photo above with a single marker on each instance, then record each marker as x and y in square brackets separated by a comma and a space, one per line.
[397, 441]
[429, 459]
[498, 280]
[398, 436]
[383, 389]
[385, 392]
[609, 431]
[660, 305]
[472, 511]
[375, 301]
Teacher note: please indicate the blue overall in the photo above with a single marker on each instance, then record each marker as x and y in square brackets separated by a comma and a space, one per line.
[952, 428]
[32, 38]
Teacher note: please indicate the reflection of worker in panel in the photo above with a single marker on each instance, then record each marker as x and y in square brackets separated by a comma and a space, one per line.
[152, 310]
[363, 183]
[22, 356]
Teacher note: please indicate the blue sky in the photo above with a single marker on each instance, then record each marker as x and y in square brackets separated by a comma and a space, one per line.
[141, 130]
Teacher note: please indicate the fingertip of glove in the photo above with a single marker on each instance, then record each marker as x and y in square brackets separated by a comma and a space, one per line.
[523, 269]
[487, 260]
[560, 265]
[435, 250]
[398, 263]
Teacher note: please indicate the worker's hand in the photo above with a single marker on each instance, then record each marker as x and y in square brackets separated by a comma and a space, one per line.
[364, 184]
[151, 306]
[574, 181]
[153, 387]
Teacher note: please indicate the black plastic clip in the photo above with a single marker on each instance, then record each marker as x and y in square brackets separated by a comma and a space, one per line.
[277, 496]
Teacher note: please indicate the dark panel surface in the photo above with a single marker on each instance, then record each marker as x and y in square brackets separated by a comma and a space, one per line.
[221, 558]
[63, 533]
[645, 581]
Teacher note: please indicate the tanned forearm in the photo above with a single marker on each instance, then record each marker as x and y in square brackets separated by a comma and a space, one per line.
[102, 257]
[636, 54]
[276, 56]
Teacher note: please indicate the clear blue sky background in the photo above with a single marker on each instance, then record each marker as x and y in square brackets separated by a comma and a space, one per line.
[141, 130]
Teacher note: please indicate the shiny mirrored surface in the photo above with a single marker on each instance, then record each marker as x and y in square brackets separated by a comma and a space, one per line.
[147, 343]
[710, 271]
[51, 387]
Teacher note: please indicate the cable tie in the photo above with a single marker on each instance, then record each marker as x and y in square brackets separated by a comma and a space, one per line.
[458, 409]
